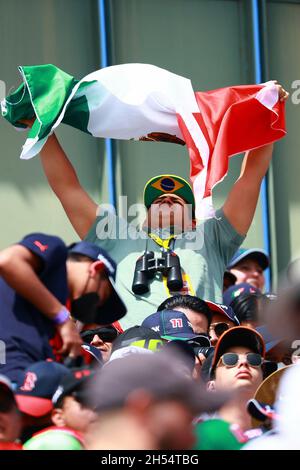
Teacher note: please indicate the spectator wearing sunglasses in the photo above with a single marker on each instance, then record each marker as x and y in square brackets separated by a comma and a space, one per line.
[237, 366]
[101, 337]
[223, 318]
[195, 309]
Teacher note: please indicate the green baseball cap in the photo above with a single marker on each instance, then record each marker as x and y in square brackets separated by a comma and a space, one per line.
[168, 184]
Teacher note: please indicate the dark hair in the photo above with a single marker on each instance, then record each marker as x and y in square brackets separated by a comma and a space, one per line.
[187, 301]
[246, 306]
[61, 401]
[205, 373]
[77, 257]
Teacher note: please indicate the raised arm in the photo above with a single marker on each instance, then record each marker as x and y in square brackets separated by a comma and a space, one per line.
[19, 267]
[79, 207]
[241, 202]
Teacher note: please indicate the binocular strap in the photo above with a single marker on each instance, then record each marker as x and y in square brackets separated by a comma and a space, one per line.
[187, 288]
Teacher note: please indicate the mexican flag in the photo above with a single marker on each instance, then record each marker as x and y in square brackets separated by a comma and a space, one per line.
[145, 102]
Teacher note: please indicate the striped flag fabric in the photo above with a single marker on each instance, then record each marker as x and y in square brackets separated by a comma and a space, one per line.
[145, 102]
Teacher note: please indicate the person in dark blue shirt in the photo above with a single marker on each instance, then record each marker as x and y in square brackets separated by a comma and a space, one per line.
[38, 277]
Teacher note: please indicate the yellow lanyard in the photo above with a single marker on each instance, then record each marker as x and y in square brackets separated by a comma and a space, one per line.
[159, 241]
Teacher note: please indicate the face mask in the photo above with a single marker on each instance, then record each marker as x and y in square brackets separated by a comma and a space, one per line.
[85, 308]
[88, 309]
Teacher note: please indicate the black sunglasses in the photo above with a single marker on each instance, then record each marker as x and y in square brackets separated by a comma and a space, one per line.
[108, 335]
[232, 359]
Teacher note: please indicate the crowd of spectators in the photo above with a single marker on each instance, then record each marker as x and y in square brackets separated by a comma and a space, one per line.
[161, 341]
[192, 375]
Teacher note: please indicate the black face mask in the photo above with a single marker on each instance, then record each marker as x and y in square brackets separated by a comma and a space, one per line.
[88, 309]
[85, 307]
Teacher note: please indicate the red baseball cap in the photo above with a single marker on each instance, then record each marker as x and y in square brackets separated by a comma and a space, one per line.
[238, 336]
[41, 379]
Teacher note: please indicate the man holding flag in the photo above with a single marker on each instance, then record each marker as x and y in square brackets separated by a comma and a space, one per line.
[260, 110]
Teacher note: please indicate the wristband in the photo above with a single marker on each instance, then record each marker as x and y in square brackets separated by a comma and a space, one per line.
[62, 316]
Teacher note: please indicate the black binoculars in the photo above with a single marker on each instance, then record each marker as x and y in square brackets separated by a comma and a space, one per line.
[147, 265]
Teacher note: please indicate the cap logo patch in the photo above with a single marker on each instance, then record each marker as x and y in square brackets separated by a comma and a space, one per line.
[155, 328]
[238, 292]
[82, 373]
[40, 246]
[167, 185]
[57, 394]
[29, 382]
[176, 322]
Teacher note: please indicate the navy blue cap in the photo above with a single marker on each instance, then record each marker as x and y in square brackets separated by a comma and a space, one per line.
[261, 411]
[95, 253]
[170, 324]
[223, 310]
[74, 383]
[259, 255]
[94, 352]
[234, 291]
[40, 380]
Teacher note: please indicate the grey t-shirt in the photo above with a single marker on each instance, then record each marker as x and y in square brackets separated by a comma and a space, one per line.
[204, 254]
